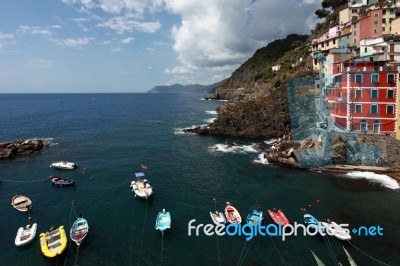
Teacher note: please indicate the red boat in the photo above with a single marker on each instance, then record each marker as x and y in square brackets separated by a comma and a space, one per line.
[278, 217]
[232, 215]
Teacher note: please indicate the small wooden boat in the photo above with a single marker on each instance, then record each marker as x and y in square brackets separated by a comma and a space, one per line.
[141, 186]
[21, 203]
[218, 217]
[54, 242]
[62, 181]
[79, 230]
[336, 230]
[309, 219]
[163, 221]
[64, 165]
[255, 217]
[278, 217]
[25, 234]
[232, 215]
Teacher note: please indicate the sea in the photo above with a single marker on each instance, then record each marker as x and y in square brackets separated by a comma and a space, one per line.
[110, 135]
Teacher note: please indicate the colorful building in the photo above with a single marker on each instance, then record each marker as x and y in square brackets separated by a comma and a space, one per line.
[363, 95]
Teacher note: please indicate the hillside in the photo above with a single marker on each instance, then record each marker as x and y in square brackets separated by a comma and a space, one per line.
[194, 88]
[258, 102]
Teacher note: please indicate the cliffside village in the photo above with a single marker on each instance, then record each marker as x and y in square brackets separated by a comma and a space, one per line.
[358, 60]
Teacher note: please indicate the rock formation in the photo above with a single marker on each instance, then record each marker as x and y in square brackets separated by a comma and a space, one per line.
[10, 150]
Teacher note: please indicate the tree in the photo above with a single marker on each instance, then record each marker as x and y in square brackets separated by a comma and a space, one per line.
[322, 13]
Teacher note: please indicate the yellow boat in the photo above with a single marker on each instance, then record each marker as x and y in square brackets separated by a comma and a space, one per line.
[53, 243]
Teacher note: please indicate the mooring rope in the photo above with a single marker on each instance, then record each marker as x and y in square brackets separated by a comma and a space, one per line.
[141, 241]
[76, 257]
[330, 249]
[369, 256]
[241, 254]
[233, 251]
[245, 254]
[26, 181]
[216, 236]
[277, 250]
[162, 247]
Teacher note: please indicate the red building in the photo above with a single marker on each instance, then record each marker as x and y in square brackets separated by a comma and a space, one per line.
[362, 96]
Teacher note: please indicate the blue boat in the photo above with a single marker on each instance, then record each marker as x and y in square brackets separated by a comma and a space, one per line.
[255, 217]
[309, 219]
[163, 221]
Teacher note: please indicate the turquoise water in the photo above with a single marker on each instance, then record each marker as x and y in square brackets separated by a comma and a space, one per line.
[110, 135]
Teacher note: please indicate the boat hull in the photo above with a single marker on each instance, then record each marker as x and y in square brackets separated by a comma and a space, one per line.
[218, 218]
[64, 165]
[25, 235]
[141, 189]
[53, 243]
[232, 215]
[61, 181]
[79, 231]
[21, 203]
[333, 228]
[256, 217]
[163, 221]
[278, 217]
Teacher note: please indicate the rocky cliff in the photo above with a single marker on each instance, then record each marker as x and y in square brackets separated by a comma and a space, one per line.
[257, 98]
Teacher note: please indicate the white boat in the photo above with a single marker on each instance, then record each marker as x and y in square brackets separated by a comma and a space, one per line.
[141, 186]
[336, 230]
[79, 230]
[218, 217]
[232, 214]
[64, 165]
[25, 234]
[21, 203]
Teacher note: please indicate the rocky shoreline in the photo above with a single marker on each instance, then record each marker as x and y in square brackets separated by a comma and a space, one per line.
[13, 149]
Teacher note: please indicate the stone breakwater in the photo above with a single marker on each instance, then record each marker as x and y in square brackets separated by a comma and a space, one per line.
[10, 150]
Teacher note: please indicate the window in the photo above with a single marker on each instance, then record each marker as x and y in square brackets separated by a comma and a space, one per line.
[374, 78]
[389, 109]
[365, 49]
[376, 126]
[383, 28]
[352, 65]
[355, 33]
[375, 31]
[358, 109]
[391, 11]
[354, 11]
[384, 12]
[375, 22]
[358, 94]
[391, 78]
[374, 109]
[383, 20]
[374, 93]
[390, 20]
[376, 14]
[354, 41]
[358, 78]
[390, 93]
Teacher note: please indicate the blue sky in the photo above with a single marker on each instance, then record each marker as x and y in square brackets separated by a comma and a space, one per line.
[134, 45]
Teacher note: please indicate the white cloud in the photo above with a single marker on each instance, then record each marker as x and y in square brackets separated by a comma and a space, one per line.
[72, 42]
[138, 7]
[36, 30]
[217, 36]
[38, 63]
[122, 24]
[116, 49]
[6, 36]
[127, 40]
[149, 67]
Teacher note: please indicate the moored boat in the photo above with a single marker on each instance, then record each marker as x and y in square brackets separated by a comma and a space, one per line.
[163, 221]
[21, 203]
[25, 234]
[255, 217]
[62, 181]
[336, 230]
[64, 165]
[141, 186]
[218, 217]
[79, 230]
[309, 219]
[278, 217]
[232, 214]
[53, 242]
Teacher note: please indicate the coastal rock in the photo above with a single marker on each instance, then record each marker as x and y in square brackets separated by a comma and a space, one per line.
[10, 150]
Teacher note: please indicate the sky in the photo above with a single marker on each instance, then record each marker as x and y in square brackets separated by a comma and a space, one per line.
[68, 46]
